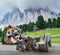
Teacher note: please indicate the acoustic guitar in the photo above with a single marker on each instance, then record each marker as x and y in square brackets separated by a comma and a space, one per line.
[14, 40]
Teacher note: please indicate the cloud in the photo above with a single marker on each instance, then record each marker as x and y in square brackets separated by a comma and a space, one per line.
[22, 4]
[8, 5]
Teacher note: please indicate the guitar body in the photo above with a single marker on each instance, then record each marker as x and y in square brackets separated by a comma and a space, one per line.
[13, 40]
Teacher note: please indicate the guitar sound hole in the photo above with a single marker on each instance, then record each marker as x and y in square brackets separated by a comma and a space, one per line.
[16, 34]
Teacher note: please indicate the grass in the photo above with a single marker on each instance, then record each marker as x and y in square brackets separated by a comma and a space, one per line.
[48, 31]
[54, 39]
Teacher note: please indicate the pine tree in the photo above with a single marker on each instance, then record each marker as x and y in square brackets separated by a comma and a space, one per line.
[54, 23]
[40, 22]
[49, 23]
[58, 22]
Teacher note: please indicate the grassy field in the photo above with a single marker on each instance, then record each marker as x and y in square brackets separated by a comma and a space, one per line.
[55, 34]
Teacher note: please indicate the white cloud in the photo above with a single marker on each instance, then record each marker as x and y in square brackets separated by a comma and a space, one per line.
[8, 5]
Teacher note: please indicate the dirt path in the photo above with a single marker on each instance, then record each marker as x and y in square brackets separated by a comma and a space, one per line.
[10, 50]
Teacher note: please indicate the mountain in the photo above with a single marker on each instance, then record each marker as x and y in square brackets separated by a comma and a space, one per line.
[13, 18]
[31, 14]
[16, 17]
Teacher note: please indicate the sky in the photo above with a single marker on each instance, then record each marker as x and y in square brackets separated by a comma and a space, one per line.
[9, 5]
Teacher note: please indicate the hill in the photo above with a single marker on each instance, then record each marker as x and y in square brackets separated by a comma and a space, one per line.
[55, 34]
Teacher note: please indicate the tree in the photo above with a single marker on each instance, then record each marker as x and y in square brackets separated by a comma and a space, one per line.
[30, 26]
[20, 26]
[49, 23]
[24, 27]
[54, 23]
[0, 33]
[58, 22]
[40, 22]
[3, 35]
[45, 24]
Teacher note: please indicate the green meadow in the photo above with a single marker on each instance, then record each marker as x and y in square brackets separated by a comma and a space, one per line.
[55, 34]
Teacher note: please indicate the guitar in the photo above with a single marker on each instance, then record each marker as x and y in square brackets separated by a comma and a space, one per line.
[14, 40]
